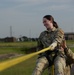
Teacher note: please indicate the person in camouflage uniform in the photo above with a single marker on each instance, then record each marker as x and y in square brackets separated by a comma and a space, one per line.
[68, 51]
[52, 35]
[70, 56]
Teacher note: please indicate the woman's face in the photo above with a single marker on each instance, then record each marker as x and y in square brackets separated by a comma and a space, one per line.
[47, 23]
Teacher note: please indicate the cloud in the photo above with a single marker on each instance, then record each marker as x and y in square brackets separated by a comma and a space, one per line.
[42, 1]
[25, 14]
[14, 4]
[39, 0]
[32, 6]
[58, 7]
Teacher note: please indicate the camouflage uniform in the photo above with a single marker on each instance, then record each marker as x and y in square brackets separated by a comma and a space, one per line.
[46, 59]
[69, 54]
[72, 69]
[70, 59]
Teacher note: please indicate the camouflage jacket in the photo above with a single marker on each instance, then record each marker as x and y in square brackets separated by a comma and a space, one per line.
[70, 55]
[47, 37]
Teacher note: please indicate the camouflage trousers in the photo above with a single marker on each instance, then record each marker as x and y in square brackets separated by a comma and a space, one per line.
[59, 65]
[72, 69]
[42, 64]
[70, 55]
[70, 60]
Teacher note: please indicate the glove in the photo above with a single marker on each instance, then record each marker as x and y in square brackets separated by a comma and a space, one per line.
[53, 45]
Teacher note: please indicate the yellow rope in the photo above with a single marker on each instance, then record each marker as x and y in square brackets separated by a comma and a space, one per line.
[6, 64]
[52, 69]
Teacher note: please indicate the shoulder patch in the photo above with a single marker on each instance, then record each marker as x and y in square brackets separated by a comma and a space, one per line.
[60, 30]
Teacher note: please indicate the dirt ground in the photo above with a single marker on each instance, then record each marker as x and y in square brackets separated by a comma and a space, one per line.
[8, 56]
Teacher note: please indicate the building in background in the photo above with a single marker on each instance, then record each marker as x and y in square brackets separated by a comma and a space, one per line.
[8, 39]
[69, 36]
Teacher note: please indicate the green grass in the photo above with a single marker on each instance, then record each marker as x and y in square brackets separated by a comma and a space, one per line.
[18, 44]
[70, 41]
[16, 47]
[26, 67]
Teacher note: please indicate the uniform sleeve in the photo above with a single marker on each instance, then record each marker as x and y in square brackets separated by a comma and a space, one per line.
[39, 46]
[59, 36]
[39, 43]
[69, 54]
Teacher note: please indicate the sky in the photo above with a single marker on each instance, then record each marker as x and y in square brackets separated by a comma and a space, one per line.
[25, 16]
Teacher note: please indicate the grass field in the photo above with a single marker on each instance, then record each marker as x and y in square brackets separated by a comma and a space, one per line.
[16, 47]
[26, 67]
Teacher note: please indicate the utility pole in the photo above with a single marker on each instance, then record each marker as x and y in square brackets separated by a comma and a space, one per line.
[10, 31]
